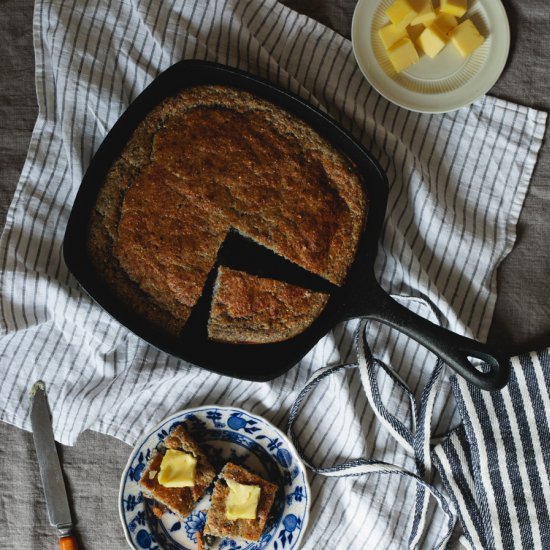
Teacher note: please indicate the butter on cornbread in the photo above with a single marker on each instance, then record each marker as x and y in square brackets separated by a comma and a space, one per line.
[177, 484]
[241, 502]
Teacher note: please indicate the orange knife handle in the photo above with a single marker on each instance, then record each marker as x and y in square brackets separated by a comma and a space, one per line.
[68, 543]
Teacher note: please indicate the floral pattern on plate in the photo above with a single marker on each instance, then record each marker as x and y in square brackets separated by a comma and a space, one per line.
[225, 434]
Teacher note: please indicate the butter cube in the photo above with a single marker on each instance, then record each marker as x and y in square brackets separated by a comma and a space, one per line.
[401, 13]
[466, 38]
[425, 16]
[415, 31]
[445, 21]
[242, 500]
[177, 469]
[390, 34]
[454, 7]
[403, 54]
[432, 40]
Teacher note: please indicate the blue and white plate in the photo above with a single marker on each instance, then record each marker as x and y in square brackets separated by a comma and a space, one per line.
[224, 434]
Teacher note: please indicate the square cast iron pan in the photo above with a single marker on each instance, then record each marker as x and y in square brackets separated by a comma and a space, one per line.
[360, 296]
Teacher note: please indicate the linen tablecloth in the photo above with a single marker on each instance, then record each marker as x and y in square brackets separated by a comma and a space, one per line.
[377, 123]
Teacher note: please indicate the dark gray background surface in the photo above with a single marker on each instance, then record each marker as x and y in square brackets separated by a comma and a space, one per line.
[94, 465]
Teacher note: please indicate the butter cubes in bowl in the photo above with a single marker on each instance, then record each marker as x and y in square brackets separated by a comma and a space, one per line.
[417, 28]
[454, 67]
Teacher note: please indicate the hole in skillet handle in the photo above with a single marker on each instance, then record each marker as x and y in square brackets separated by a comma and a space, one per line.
[452, 348]
[493, 377]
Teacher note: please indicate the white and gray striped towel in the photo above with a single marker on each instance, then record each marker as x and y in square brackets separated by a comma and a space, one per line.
[457, 185]
[493, 467]
[496, 465]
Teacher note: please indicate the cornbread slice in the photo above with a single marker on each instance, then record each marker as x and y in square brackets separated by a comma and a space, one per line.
[250, 309]
[179, 500]
[217, 523]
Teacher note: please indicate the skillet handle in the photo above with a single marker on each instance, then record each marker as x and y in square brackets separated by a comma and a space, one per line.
[452, 348]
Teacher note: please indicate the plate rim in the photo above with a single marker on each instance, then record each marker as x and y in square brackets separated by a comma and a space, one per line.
[452, 106]
[145, 435]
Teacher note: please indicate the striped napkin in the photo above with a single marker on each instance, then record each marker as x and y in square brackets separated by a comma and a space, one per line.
[496, 465]
[493, 466]
[457, 185]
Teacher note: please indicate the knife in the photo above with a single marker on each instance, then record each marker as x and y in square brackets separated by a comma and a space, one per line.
[50, 469]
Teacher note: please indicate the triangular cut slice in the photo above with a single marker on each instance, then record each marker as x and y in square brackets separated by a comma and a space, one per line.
[258, 310]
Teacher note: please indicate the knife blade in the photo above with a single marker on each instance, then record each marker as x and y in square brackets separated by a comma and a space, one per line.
[50, 468]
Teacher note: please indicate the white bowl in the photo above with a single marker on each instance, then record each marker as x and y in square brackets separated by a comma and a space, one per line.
[438, 85]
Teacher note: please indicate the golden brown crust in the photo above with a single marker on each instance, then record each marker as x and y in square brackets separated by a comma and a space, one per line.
[165, 248]
[209, 159]
[250, 309]
[114, 277]
[179, 500]
[217, 523]
[158, 510]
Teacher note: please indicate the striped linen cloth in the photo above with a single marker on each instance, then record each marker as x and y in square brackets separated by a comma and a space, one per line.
[496, 465]
[493, 466]
[457, 185]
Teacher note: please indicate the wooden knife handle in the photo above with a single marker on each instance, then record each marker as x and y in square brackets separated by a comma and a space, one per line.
[68, 543]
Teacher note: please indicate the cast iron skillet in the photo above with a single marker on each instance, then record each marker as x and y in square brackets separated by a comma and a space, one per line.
[360, 296]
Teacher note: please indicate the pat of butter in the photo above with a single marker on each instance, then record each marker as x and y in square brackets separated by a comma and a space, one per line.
[445, 22]
[390, 34]
[242, 500]
[425, 16]
[177, 469]
[432, 40]
[415, 31]
[403, 54]
[455, 7]
[401, 13]
[466, 38]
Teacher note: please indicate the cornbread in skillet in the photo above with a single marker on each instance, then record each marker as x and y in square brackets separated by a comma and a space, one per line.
[179, 500]
[217, 523]
[205, 161]
[250, 309]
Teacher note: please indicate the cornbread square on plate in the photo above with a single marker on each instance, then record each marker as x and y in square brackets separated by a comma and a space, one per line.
[217, 522]
[179, 500]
